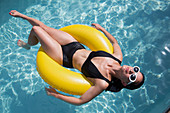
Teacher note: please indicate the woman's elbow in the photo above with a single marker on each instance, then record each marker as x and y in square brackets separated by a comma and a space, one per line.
[81, 102]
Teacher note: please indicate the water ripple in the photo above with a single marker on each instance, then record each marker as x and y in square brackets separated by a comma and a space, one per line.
[130, 21]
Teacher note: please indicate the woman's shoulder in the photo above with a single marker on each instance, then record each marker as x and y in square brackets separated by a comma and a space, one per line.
[101, 83]
[118, 56]
[117, 51]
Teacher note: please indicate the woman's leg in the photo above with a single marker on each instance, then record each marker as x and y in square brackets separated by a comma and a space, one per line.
[49, 45]
[32, 21]
[61, 37]
[32, 40]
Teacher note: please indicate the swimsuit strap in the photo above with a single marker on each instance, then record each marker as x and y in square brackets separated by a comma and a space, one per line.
[109, 82]
[105, 54]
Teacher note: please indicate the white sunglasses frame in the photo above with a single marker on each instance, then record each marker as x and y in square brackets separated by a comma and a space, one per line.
[131, 81]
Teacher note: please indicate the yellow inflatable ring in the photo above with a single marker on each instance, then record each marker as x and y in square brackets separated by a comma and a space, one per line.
[66, 80]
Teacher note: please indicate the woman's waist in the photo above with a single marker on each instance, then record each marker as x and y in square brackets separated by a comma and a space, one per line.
[79, 58]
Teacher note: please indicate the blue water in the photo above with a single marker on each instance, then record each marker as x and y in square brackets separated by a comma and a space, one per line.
[142, 28]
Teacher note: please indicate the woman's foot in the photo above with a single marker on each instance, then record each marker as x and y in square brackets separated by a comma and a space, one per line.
[20, 43]
[15, 13]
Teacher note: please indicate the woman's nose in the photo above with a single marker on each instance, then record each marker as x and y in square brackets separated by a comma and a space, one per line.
[131, 71]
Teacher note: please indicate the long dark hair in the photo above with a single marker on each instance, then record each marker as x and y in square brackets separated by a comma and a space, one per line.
[116, 85]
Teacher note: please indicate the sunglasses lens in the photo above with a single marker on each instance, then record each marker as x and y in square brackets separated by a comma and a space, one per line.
[133, 77]
[136, 69]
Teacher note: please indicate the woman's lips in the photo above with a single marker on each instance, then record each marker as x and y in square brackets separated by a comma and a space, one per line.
[127, 69]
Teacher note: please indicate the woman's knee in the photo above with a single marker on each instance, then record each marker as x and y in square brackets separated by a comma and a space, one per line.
[35, 28]
[44, 27]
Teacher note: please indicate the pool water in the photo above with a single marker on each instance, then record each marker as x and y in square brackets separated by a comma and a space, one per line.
[141, 27]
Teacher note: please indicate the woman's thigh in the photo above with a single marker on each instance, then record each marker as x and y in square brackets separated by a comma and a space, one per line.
[50, 46]
[61, 37]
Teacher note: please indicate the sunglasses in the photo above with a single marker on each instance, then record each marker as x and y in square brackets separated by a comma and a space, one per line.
[133, 77]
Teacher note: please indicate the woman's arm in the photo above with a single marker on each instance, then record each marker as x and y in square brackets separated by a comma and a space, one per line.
[86, 97]
[117, 49]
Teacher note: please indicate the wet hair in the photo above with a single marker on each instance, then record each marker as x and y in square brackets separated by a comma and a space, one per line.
[115, 85]
[133, 86]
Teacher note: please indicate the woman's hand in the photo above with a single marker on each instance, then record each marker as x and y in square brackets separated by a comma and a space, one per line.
[51, 91]
[97, 26]
[15, 13]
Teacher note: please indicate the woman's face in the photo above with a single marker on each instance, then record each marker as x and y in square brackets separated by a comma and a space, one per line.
[127, 71]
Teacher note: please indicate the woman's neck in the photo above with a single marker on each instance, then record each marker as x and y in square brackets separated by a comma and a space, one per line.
[115, 71]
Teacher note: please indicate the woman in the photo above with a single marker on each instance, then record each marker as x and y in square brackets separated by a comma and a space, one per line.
[101, 68]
